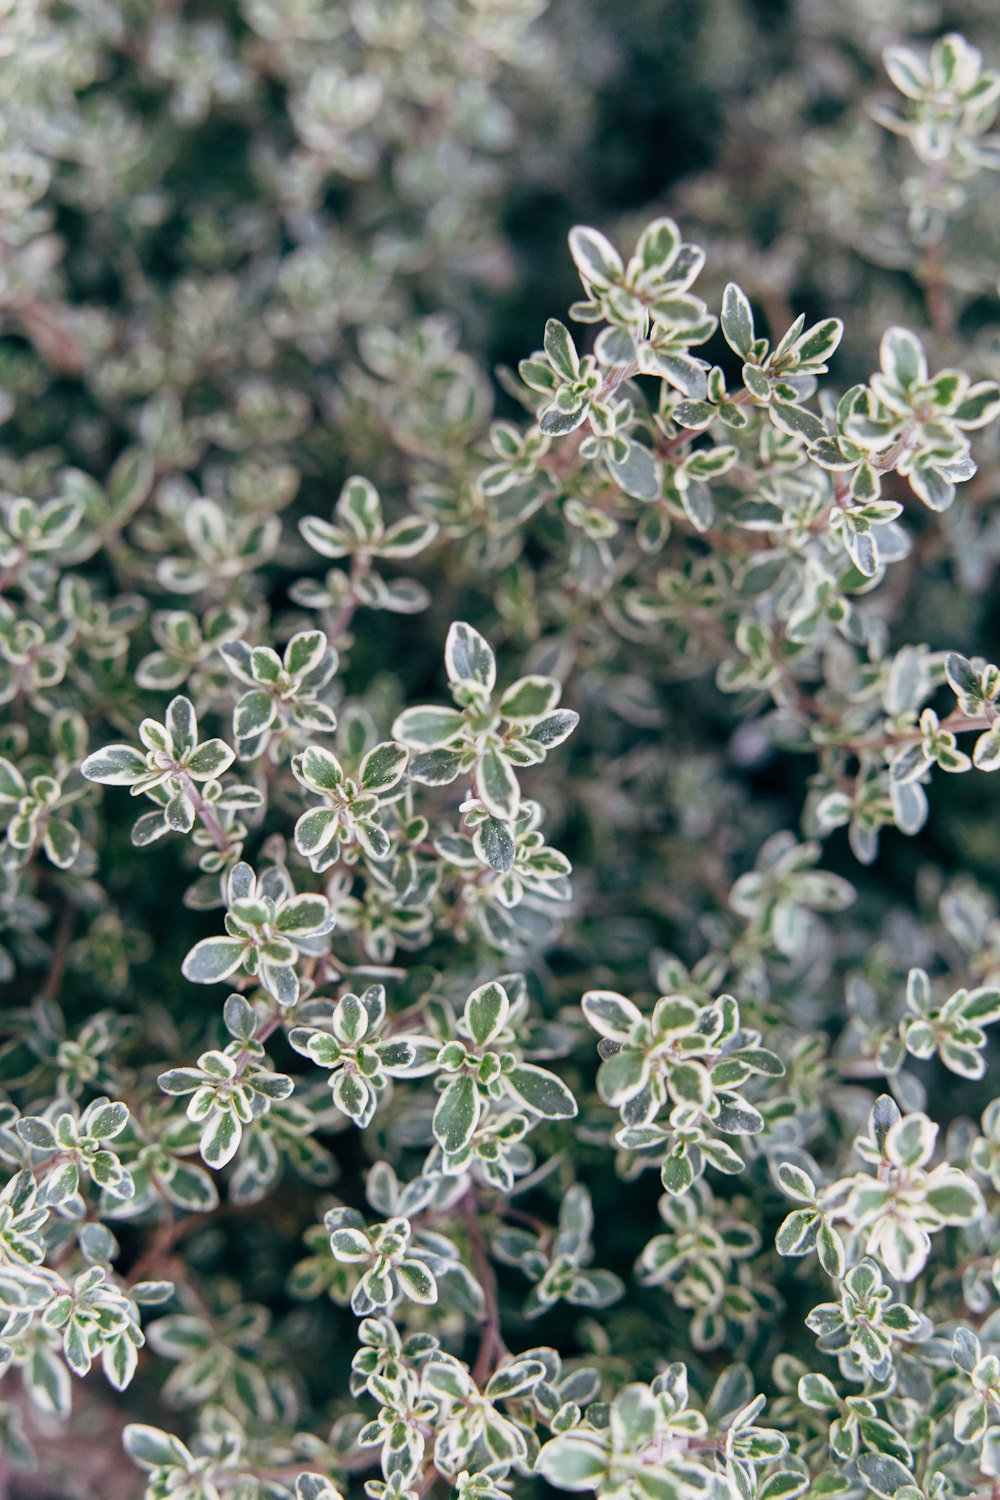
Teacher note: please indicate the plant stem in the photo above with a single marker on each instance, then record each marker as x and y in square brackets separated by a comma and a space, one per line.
[491, 1345]
[60, 949]
[955, 723]
[206, 816]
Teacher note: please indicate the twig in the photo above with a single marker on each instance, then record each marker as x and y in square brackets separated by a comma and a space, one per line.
[491, 1345]
[167, 1235]
[931, 273]
[60, 949]
[209, 821]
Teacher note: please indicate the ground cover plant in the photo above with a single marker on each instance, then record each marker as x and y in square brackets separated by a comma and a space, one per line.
[498, 654]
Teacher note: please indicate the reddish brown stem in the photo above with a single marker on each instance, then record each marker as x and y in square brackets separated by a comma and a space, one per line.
[60, 950]
[206, 816]
[491, 1345]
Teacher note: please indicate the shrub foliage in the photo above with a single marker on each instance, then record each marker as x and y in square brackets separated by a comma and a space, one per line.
[366, 1144]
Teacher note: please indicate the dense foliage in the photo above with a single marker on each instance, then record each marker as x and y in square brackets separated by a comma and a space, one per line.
[530, 1024]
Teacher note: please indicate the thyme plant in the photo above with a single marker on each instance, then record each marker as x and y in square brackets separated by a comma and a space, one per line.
[352, 1141]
